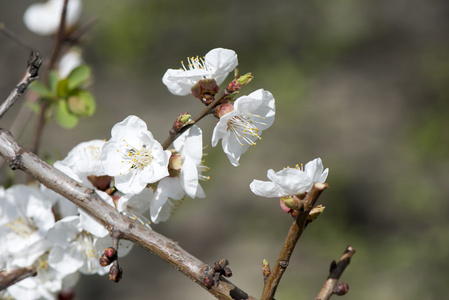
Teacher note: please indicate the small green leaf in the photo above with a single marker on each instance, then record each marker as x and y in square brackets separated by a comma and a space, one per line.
[62, 88]
[63, 115]
[89, 102]
[41, 89]
[53, 79]
[78, 76]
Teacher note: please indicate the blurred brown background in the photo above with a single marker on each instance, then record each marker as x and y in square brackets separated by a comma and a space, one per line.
[361, 84]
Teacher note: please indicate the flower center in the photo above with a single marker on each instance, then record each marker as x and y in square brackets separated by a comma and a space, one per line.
[194, 63]
[139, 159]
[85, 245]
[246, 128]
[21, 227]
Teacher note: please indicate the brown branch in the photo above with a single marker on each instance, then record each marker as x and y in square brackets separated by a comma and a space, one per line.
[10, 34]
[335, 273]
[295, 232]
[88, 200]
[8, 278]
[31, 74]
[174, 135]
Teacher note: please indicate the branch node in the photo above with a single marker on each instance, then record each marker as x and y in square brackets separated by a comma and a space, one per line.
[283, 263]
[15, 162]
[341, 289]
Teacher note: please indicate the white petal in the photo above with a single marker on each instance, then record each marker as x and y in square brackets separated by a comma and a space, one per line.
[264, 188]
[222, 62]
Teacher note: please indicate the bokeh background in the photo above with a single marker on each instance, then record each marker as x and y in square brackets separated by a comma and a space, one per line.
[362, 84]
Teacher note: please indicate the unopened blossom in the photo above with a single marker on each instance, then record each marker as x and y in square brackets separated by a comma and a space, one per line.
[290, 181]
[241, 125]
[44, 18]
[217, 64]
[133, 157]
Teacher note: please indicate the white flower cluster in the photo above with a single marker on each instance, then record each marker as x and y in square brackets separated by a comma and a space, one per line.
[243, 123]
[131, 172]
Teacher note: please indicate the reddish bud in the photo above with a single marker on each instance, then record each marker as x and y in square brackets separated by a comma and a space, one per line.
[341, 289]
[208, 282]
[66, 294]
[115, 273]
[109, 256]
[227, 272]
[223, 109]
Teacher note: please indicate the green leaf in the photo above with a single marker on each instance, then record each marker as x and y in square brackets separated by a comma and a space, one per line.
[89, 102]
[62, 89]
[41, 89]
[63, 115]
[78, 76]
[53, 79]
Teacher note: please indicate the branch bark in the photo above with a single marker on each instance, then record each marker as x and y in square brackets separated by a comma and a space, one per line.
[8, 278]
[31, 74]
[295, 232]
[89, 201]
[335, 273]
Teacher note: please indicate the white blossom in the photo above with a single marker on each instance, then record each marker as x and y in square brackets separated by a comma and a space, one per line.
[243, 126]
[217, 64]
[44, 18]
[133, 157]
[290, 181]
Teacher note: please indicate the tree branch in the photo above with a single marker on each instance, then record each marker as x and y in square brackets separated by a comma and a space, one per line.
[335, 273]
[8, 278]
[31, 74]
[174, 135]
[295, 232]
[88, 200]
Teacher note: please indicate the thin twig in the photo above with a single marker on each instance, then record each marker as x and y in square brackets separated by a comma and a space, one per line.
[174, 135]
[335, 273]
[8, 278]
[54, 55]
[31, 74]
[9, 33]
[74, 36]
[295, 232]
[88, 200]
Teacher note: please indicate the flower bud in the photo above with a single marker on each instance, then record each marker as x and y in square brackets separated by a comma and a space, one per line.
[227, 272]
[181, 121]
[115, 273]
[109, 256]
[292, 202]
[205, 90]
[239, 81]
[66, 294]
[265, 270]
[341, 289]
[223, 109]
[315, 213]
[208, 282]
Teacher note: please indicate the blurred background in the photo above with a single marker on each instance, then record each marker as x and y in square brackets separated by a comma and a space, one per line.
[361, 84]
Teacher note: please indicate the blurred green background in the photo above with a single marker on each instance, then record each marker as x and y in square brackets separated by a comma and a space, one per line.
[361, 84]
